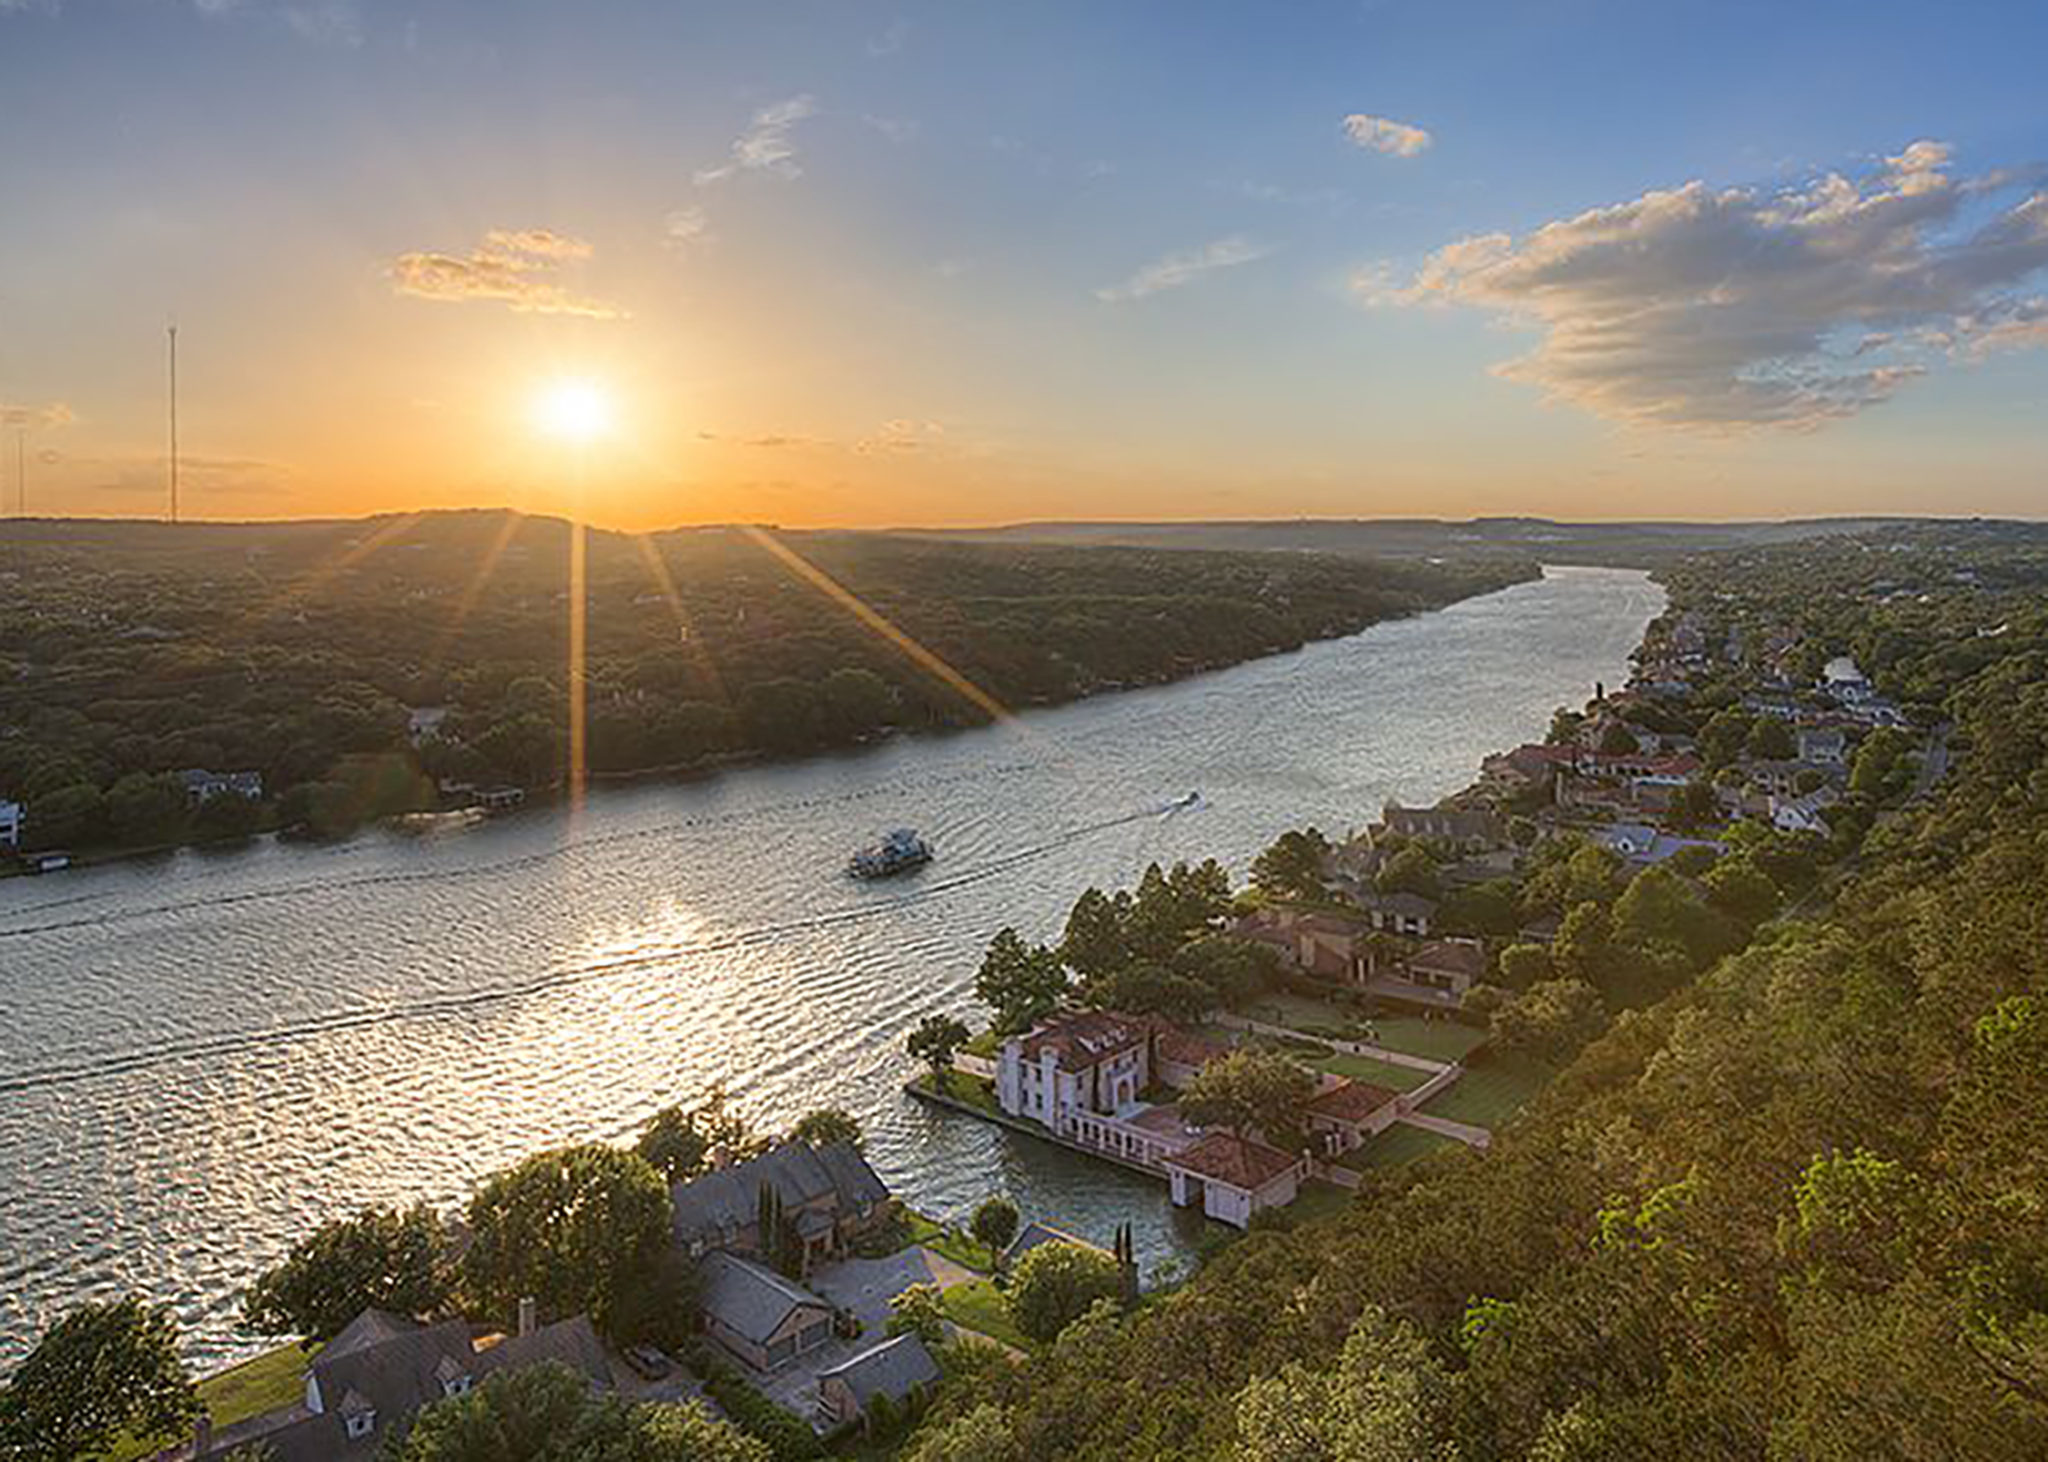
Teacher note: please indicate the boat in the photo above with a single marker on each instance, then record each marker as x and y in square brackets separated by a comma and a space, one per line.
[1181, 804]
[899, 851]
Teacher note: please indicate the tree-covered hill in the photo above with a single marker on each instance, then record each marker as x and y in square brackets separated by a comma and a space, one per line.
[1796, 1210]
[299, 650]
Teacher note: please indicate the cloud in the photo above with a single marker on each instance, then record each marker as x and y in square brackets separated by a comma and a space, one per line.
[1737, 307]
[39, 418]
[890, 41]
[210, 476]
[1184, 267]
[685, 228]
[1383, 134]
[770, 442]
[765, 147]
[901, 435]
[896, 129]
[518, 267]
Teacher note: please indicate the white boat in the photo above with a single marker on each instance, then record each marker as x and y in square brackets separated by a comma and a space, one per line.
[899, 851]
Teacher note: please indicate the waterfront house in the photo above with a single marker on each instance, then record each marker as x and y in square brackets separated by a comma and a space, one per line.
[366, 1384]
[203, 786]
[1179, 1055]
[1451, 966]
[1347, 1112]
[757, 1314]
[1472, 829]
[1079, 1062]
[829, 1193]
[1348, 949]
[10, 824]
[899, 1369]
[1232, 1178]
[1399, 913]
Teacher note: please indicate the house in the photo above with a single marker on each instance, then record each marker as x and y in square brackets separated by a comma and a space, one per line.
[1823, 745]
[830, 1194]
[10, 824]
[1178, 1055]
[1531, 765]
[761, 1317]
[1035, 1235]
[1473, 829]
[423, 723]
[1803, 814]
[1334, 946]
[1089, 1061]
[1450, 965]
[203, 786]
[898, 1369]
[365, 1386]
[1348, 1112]
[1399, 913]
[1233, 1179]
[1641, 845]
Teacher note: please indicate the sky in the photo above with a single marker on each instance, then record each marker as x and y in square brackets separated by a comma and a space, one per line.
[654, 262]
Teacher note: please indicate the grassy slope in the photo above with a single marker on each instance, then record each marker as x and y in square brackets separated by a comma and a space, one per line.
[275, 1378]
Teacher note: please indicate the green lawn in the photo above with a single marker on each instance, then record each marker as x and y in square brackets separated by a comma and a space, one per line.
[989, 1043]
[980, 1307]
[976, 1091]
[1299, 1012]
[1319, 1200]
[1399, 1144]
[275, 1378]
[1439, 1040]
[1489, 1094]
[958, 1247]
[1379, 1073]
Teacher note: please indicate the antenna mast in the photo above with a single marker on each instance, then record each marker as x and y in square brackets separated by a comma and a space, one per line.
[174, 422]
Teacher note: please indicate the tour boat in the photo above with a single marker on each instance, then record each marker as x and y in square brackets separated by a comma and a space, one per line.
[899, 851]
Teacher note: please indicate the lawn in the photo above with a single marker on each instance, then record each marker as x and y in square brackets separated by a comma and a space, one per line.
[275, 1378]
[1379, 1073]
[1300, 1012]
[1319, 1200]
[1487, 1095]
[976, 1091]
[1399, 1144]
[980, 1307]
[1439, 1040]
[958, 1247]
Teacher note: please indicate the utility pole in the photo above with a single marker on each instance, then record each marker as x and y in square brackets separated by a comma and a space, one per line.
[174, 422]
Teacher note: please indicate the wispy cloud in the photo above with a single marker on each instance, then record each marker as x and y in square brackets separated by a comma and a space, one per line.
[901, 435]
[1738, 307]
[21, 414]
[685, 229]
[516, 267]
[896, 129]
[890, 41]
[766, 146]
[1184, 267]
[1384, 134]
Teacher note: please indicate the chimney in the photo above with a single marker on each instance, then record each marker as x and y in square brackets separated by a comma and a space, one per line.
[526, 1316]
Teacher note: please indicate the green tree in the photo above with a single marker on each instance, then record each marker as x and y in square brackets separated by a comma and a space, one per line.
[1617, 739]
[548, 1413]
[1231, 969]
[576, 1229]
[65, 817]
[1550, 1020]
[1251, 1089]
[678, 1142]
[1293, 866]
[827, 1126]
[148, 809]
[1662, 909]
[983, 1434]
[1388, 1400]
[1410, 870]
[1722, 738]
[1770, 739]
[383, 1258]
[1022, 983]
[919, 1310]
[1055, 1284]
[994, 1223]
[1482, 909]
[1742, 891]
[934, 1041]
[1524, 965]
[855, 701]
[102, 1370]
[1096, 942]
[1693, 806]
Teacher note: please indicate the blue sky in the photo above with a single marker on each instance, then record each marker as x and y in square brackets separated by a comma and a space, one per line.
[958, 262]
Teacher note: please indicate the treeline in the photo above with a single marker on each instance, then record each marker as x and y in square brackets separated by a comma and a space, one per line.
[1793, 1210]
[301, 651]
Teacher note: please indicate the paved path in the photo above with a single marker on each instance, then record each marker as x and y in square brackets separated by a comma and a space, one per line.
[1352, 1048]
[1463, 1132]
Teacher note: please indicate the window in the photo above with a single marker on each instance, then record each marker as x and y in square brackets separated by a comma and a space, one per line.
[359, 1424]
[455, 1386]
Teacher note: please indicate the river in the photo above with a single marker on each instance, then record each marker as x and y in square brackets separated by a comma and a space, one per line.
[204, 1055]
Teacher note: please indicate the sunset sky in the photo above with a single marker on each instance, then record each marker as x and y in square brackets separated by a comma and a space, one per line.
[886, 263]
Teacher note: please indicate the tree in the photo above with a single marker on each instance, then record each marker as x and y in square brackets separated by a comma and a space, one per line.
[981, 1435]
[827, 1126]
[548, 1413]
[102, 1370]
[1551, 1020]
[1388, 1400]
[919, 1310]
[1722, 738]
[66, 817]
[1524, 965]
[1231, 969]
[994, 1223]
[1660, 908]
[1146, 988]
[1095, 942]
[781, 1245]
[1022, 983]
[1410, 870]
[1055, 1284]
[1770, 739]
[679, 1142]
[856, 701]
[934, 1041]
[576, 1229]
[1742, 891]
[1293, 866]
[148, 809]
[1617, 739]
[382, 1257]
[1485, 909]
[1251, 1089]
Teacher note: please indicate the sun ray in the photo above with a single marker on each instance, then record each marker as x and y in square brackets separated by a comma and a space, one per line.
[474, 589]
[693, 646]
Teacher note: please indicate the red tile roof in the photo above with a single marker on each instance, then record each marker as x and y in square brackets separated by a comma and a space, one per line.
[1185, 1048]
[1086, 1038]
[1222, 1157]
[1353, 1101]
[1450, 956]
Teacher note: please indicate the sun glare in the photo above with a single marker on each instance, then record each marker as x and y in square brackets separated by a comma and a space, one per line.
[576, 411]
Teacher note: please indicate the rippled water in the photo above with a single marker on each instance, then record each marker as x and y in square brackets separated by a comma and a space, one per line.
[204, 1055]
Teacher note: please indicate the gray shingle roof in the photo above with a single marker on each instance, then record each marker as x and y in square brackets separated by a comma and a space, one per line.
[891, 1369]
[724, 1201]
[749, 1300]
[1034, 1234]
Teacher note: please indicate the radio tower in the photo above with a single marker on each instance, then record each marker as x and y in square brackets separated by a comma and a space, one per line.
[174, 422]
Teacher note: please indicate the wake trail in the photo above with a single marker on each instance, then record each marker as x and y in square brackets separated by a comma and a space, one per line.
[119, 1063]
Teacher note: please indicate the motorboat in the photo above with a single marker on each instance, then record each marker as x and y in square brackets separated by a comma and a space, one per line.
[899, 851]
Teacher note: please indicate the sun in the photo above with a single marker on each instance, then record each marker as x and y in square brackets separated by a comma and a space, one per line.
[574, 410]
